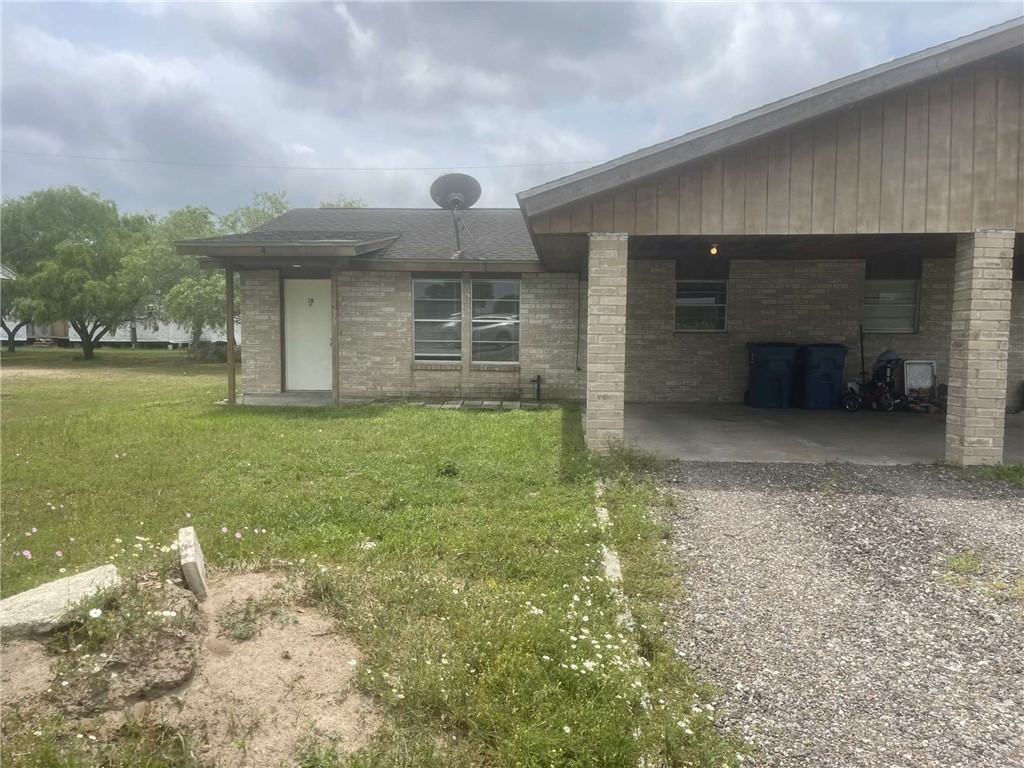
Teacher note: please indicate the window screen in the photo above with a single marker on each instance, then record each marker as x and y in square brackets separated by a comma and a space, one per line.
[700, 305]
[495, 321]
[890, 306]
[437, 320]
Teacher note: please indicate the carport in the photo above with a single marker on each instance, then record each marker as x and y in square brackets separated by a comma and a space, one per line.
[890, 199]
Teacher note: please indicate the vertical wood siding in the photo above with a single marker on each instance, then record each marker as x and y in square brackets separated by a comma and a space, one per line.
[940, 156]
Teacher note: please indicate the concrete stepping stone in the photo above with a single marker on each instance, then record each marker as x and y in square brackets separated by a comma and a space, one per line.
[49, 606]
[192, 564]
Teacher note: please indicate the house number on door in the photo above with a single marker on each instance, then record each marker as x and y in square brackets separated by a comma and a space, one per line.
[309, 301]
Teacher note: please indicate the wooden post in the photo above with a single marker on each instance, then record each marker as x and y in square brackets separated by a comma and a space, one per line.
[335, 373]
[229, 290]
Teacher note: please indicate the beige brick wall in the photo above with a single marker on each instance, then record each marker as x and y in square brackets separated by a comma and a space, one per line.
[376, 332]
[260, 301]
[796, 301]
[606, 340]
[554, 334]
[765, 298]
[979, 349]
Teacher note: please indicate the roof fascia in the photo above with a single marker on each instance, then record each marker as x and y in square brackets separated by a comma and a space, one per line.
[278, 248]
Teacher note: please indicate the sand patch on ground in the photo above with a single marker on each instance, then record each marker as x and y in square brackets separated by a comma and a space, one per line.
[251, 702]
[262, 699]
[24, 673]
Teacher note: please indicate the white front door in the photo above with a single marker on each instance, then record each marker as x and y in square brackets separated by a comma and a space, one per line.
[307, 335]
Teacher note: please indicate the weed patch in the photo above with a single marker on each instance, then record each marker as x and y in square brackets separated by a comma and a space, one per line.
[242, 620]
[965, 563]
[999, 473]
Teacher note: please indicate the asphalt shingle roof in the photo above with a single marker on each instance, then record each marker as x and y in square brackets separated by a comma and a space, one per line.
[423, 233]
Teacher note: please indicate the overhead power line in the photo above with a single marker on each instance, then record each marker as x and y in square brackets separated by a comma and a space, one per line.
[294, 167]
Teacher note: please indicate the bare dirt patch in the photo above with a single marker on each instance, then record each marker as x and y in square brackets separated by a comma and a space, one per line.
[250, 702]
[16, 372]
[24, 673]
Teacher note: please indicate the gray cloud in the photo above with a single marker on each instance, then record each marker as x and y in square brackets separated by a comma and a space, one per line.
[424, 84]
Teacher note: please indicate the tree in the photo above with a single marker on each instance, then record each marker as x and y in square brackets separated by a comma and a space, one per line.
[76, 258]
[31, 227]
[136, 266]
[181, 290]
[343, 202]
[264, 207]
[198, 303]
[13, 317]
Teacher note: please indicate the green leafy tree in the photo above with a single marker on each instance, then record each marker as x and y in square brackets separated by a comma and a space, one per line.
[198, 303]
[76, 257]
[31, 228]
[343, 202]
[181, 290]
[13, 316]
[264, 207]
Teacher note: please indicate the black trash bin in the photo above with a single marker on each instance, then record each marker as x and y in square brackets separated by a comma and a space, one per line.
[819, 376]
[770, 383]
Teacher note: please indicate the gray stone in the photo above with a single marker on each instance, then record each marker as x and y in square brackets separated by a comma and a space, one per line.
[192, 564]
[49, 606]
[510, 405]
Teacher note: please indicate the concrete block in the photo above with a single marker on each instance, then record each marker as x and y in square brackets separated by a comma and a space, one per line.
[48, 607]
[192, 564]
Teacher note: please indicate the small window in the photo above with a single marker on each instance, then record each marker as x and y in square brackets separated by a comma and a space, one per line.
[700, 305]
[890, 306]
[495, 321]
[437, 320]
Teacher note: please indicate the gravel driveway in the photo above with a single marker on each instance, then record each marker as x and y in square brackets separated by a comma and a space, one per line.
[821, 602]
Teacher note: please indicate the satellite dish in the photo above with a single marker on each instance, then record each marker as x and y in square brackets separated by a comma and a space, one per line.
[455, 191]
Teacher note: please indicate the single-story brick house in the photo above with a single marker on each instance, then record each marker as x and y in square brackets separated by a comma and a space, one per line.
[892, 199]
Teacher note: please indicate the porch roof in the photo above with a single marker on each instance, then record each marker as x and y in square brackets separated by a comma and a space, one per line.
[402, 236]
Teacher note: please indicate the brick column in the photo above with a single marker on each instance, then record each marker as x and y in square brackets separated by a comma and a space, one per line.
[980, 343]
[606, 340]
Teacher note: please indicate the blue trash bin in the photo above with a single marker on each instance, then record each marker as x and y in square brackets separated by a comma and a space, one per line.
[819, 376]
[770, 382]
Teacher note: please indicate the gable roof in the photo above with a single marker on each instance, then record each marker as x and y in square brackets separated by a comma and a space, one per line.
[899, 73]
[414, 234]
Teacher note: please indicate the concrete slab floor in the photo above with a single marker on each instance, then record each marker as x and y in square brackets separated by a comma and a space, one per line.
[729, 432]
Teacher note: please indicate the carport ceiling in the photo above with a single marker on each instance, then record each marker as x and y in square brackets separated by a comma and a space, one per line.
[569, 252]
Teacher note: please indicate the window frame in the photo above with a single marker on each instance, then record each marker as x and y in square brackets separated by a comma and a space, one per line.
[451, 360]
[724, 305]
[473, 322]
[916, 306]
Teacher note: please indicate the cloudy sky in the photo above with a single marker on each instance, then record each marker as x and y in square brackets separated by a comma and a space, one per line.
[239, 96]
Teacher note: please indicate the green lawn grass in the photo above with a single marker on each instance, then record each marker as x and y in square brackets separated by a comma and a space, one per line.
[459, 549]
